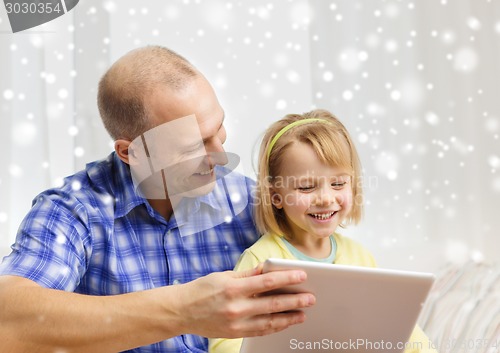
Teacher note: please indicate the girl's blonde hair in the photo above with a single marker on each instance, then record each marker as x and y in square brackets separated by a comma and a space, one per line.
[333, 146]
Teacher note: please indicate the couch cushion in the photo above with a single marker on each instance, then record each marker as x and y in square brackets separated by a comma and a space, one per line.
[462, 313]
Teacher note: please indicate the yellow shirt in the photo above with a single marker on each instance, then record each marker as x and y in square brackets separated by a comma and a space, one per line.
[349, 252]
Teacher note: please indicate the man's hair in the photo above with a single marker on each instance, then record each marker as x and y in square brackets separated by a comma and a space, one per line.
[124, 87]
[332, 144]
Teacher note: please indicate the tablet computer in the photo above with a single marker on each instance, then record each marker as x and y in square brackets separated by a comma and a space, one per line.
[358, 309]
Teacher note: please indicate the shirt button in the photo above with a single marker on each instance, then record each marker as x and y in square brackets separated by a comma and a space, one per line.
[176, 281]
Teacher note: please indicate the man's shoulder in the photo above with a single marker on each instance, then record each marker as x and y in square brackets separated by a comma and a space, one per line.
[92, 186]
[96, 176]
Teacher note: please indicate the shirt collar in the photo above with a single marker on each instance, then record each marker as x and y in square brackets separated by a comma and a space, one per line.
[127, 198]
[125, 194]
[113, 176]
[212, 199]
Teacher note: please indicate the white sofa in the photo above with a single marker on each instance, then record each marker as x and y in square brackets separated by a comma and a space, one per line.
[462, 313]
[4, 251]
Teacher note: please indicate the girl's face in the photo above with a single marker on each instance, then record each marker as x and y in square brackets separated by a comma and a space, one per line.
[315, 197]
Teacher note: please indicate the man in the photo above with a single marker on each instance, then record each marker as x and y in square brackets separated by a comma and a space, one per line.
[111, 261]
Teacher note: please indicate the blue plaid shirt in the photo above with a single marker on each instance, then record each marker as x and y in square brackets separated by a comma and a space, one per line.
[95, 235]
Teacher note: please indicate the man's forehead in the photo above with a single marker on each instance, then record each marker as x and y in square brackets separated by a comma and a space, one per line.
[175, 133]
[165, 105]
[196, 97]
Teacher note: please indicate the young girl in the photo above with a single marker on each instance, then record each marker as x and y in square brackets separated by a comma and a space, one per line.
[309, 184]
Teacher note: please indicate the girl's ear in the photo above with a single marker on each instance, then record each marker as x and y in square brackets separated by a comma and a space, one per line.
[276, 199]
[122, 150]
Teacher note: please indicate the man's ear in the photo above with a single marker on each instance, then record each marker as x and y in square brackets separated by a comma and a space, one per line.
[122, 150]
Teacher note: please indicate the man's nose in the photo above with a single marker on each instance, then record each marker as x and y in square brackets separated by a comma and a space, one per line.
[215, 153]
[215, 146]
[217, 158]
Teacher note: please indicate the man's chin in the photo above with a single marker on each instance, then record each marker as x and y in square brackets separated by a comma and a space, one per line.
[198, 191]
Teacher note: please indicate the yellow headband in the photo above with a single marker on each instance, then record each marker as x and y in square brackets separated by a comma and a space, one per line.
[288, 127]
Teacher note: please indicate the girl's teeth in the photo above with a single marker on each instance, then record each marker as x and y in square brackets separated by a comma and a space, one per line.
[322, 215]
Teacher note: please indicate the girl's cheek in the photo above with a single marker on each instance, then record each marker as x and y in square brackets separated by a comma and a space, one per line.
[345, 199]
[304, 199]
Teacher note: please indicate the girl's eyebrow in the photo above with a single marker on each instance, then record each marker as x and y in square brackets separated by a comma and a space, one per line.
[341, 174]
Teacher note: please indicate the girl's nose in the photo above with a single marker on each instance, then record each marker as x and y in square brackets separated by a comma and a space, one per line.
[326, 197]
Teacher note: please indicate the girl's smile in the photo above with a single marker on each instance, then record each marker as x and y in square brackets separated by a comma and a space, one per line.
[315, 197]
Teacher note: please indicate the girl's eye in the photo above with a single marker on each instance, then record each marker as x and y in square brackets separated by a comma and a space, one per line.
[306, 188]
[339, 185]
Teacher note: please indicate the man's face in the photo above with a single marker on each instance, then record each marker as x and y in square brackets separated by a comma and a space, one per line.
[178, 156]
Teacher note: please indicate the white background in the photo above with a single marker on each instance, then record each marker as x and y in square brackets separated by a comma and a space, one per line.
[416, 83]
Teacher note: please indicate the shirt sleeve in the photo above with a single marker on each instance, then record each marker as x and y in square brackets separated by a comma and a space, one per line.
[225, 345]
[51, 244]
[419, 342]
[247, 261]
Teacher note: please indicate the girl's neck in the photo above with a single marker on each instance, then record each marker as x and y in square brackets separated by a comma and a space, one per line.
[318, 248]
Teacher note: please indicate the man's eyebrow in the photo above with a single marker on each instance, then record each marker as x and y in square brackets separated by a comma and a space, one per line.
[220, 126]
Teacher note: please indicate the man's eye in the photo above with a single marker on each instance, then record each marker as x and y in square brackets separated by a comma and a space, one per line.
[193, 149]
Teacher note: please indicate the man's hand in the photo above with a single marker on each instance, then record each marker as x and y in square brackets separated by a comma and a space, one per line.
[224, 304]
[229, 304]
